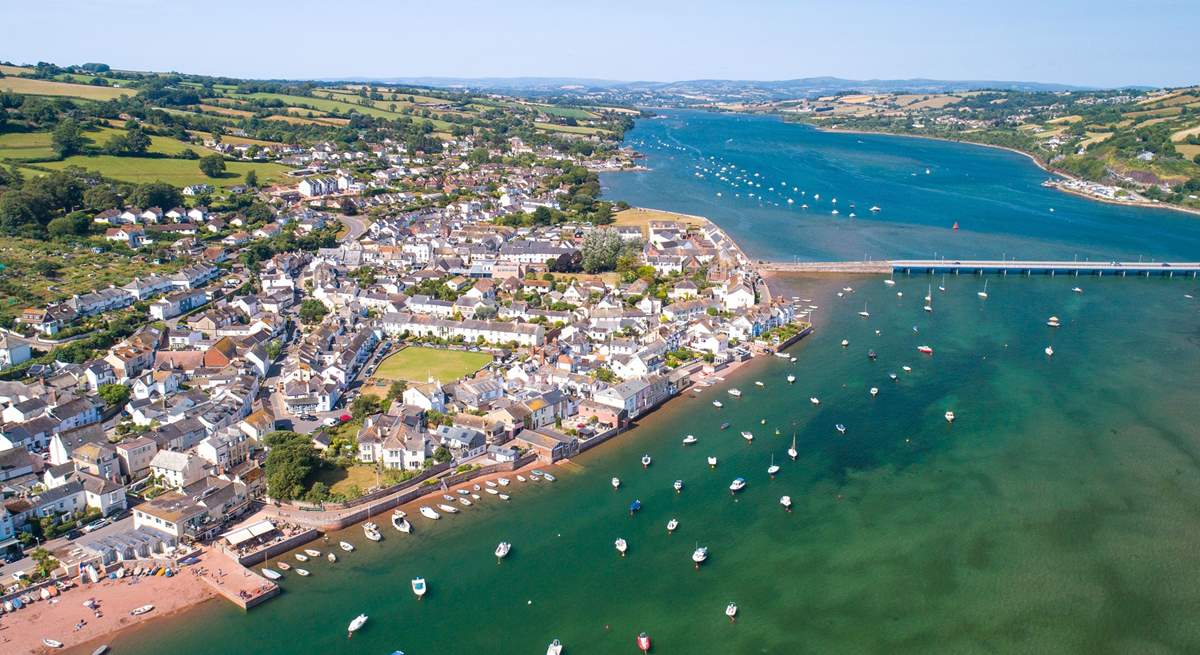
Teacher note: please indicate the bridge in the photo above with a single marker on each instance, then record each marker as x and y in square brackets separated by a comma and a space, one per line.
[993, 267]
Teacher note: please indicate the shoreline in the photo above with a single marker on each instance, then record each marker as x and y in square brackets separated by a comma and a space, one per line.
[1046, 169]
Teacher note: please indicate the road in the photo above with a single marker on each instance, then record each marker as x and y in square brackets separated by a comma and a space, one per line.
[26, 563]
[355, 226]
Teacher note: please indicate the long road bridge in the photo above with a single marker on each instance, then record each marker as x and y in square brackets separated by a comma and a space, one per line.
[993, 267]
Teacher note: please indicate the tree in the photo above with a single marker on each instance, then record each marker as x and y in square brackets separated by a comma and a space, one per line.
[101, 197]
[156, 194]
[67, 138]
[19, 210]
[397, 389]
[133, 142]
[441, 455]
[601, 249]
[289, 462]
[45, 562]
[72, 225]
[312, 311]
[212, 165]
[364, 406]
[251, 179]
[114, 395]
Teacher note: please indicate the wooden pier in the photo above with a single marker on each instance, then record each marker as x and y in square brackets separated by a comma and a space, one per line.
[989, 267]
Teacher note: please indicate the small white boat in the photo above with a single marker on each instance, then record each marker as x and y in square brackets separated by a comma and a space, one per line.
[502, 549]
[283, 566]
[301, 572]
[312, 552]
[449, 509]
[465, 502]
[621, 546]
[672, 524]
[712, 462]
[906, 369]
[792, 452]
[677, 485]
[699, 555]
[949, 417]
[731, 611]
[419, 588]
[372, 532]
[1053, 322]
[758, 383]
[301, 557]
[429, 513]
[332, 558]
[890, 282]
[736, 393]
[271, 574]
[503, 496]
[786, 501]
[791, 379]
[491, 491]
[346, 546]
[555, 647]
[475, 497]
[358, 622]
[874, 391]
[1049, 351]
[984, 293]
[400, 522]
[490, 484]
[737, 485]
[689, 440]
[748, 436]
[814, 400]
[503, 481]
[717, 404]
[1077, 290]
[549, 477]
[616, 483]
[646, 461]
[845, 343]
[773, 468]
[462, 492]
[52, 643]
[840, 428]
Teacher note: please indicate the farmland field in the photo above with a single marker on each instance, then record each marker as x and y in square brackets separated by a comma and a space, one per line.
[45, 88]
[573, 129]
[416, 364]
[180, 172]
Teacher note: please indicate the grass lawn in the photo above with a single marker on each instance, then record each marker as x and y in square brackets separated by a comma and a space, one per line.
[180, 172]
[416, 364]
[340, 480]
[642, 217]
[26, 145]
[47, 88]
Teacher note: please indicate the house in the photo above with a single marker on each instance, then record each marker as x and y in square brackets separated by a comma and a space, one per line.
[13, 350]
[172, 513]
[129, 235]
[428, 397]
[225, 449]
[97, 459]
[66, 499]
[549, 445]
[16, 462]
[464, 443]
[103, 494]
[175, 469]
[135, 456]
[197, 189]
[177, 303]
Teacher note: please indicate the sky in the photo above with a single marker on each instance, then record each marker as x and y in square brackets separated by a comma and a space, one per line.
[1083, 42]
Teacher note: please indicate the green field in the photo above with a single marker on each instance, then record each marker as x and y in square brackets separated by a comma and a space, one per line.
[179, 172]
[416, 364]
[25, 145]
[336, 106]
[573, 129]
[47, 88]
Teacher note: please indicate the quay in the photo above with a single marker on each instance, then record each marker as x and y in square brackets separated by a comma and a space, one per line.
[995, 267]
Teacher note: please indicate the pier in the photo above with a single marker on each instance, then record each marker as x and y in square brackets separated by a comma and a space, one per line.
[990, 267]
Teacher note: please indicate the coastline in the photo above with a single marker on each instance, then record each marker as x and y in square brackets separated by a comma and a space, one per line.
[1035, 160]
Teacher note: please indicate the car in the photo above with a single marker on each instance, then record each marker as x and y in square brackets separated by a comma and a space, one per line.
[307, 417]
[329, 421]
[94, 525]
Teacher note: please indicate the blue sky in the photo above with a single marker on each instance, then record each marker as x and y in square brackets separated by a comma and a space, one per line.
[1097, 42]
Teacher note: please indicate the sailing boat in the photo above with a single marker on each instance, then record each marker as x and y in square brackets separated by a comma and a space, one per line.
[891, 281]
[773, 468]
[983, 294]
[792, 452]
[942, 286]
[864, 313]
[929, 299]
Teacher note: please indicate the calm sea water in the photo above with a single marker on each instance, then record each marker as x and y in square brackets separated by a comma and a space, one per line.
[1057, 514]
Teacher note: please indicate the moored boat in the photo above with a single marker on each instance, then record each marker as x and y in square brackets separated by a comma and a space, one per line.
[491, 491]
[357, 624]
[786, 501]
[689, 440]
[731, 611]
[814, 400]
[622, 546]
[346, 546]
[773, 468]
[635, 507]
[672, 524]
[52, 643]
[449, 509]
[400, 522]
[926, 350]
[311, 552]
[949, 417]
[144, 609]
[699, 555]
[419, 587]
[1049, 351]
[748, 436]
[874, 391]
[331, 557]
[502, 549]
[503, 481]
[302, 572]
[555, 648]
[301, 557]
[840, 428]
[429, 513]
[646, 461]
[712, 462]
[615, 482]
[718, 404]
[643, 642]
[271, 574]
[737, 485]
[678, 485]
[791, 379]
[283, 566]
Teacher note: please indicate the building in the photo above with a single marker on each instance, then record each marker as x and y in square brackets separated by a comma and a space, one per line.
[13, 350]
[175, 469]
[172, 513]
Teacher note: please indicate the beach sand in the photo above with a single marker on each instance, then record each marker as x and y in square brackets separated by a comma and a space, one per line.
[22, 632]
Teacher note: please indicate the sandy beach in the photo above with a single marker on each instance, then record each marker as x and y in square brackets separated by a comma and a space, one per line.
[22, 632]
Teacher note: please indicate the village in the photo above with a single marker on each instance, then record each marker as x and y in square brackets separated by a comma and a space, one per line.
[568, 331]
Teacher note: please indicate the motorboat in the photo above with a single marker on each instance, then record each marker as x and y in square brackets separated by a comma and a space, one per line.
[502, 549]
[400, 522]
[906, 369]
[643, 642]
[621, 546]
[448, 498]
[372, 532]
[503, 482]
[346, 546]
[925, 350]
[331, 557]
[1076, 289]
[429, 513]
[718, 404]
[845, 343]
[840, 428]
[491, 491]
[736, 393]
[465, 502]
[814, 400]
[555, 648]
[490, 484]
[1049, 351]
[52, 643]
[791, 379]
[712, 462]
[672, 524]
[689, 440]
[646, 461]
[419, 587]
[874, 391]
[949, 417]
[871, 355]
[792, 452]
[476, 497]
[616, 483]
[271, 574]
[302, 572]
[786, 501]
[678, 486]
[748, 436]
[699, 555]
[449, 509]
[731, 611]
[521, 478]
[503, 496]
[462, 492]
[283, 566]
[737, 485]
[312, 552]
[635, 507]
[100, 650]
[893, 377]
[549, 477]
[725, 425]
[1053, 321]
[890, 282]
[358, 622]
[301, 557]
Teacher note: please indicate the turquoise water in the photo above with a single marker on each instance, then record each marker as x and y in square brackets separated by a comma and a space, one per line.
[995, 195]
[1057, 514]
